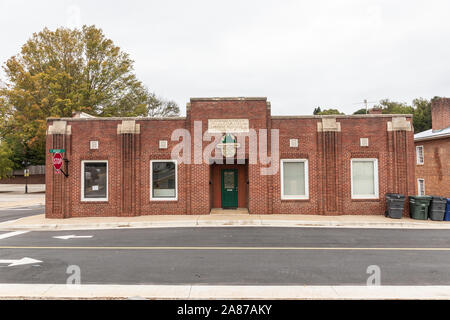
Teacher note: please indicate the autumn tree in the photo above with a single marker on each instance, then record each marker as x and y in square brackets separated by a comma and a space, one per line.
[62, 71]
[6, 165]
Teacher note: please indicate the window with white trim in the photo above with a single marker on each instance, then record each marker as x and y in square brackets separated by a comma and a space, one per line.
[94, 180]
[364, 180]
[163, 180]
[421, 187]
[419, 155]
[294, 179]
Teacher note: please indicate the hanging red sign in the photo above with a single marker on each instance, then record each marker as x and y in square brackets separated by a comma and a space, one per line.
[57, 161]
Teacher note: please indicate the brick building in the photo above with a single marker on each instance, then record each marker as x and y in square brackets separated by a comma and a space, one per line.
[433, 152]
[228, 153]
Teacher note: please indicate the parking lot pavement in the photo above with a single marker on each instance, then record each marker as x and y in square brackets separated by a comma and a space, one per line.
[13, 195]
[15, 213]
[20, 188]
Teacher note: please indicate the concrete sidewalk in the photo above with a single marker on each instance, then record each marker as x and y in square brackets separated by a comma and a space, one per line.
[40, 223]
[193, 292]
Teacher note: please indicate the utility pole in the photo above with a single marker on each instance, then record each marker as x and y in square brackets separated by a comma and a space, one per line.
[365, 101]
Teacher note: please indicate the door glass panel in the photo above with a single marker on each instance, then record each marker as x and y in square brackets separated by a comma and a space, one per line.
[228, 179]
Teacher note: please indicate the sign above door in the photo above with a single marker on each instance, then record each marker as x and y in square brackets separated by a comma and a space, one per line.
[228, 125]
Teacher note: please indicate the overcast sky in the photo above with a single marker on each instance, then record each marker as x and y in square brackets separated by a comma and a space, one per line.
[299, 54]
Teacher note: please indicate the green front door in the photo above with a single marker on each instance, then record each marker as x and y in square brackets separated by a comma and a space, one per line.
[229, 188]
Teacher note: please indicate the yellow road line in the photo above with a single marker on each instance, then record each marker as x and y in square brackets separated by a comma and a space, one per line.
[226, 248]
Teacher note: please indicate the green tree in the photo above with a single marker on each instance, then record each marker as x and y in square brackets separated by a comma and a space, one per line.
[422, 115]
[391, 107]
[420, 109]
[317, 110]
[361, 111]
[6, 165]
[330, 112]
[62, 71]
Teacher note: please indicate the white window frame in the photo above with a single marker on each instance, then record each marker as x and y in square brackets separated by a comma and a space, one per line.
[375, 174]
[151, 181]
[418, 162]
[82, 181]
[418, 187]
[294, 197]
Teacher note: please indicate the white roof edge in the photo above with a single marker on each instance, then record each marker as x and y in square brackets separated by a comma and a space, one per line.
[429, 134]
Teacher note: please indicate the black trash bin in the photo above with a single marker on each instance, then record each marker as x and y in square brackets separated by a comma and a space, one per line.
[394, 205]
[436, 210]
[418, 207]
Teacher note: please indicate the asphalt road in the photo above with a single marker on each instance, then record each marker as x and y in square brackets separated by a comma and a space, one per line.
[232, 255]
[7, 214]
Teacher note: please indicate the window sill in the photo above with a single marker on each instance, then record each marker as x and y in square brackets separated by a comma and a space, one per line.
[365, 200]
[163, 200]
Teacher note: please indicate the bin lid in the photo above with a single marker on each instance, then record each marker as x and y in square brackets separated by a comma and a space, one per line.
[420, 197]
[395, 195]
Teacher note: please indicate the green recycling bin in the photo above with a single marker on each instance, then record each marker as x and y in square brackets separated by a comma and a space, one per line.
[418, 207]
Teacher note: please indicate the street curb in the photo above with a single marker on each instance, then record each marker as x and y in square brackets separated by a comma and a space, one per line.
[195, 292]
[24, 205]
[8, 226]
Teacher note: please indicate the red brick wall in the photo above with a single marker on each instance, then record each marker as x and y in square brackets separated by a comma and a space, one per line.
[436, 168]
[257, 113]
[329, 156]
[129, 157]
[440, 113]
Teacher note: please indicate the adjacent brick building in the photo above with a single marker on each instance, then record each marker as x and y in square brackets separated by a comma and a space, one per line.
[433, 152]
[327, 165]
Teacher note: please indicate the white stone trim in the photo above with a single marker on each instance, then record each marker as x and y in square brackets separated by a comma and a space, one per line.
[59, 127]
[128, 126]
[399, 124]
[329, 124]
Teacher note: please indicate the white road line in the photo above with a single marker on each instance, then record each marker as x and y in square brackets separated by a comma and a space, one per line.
[12, 234]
